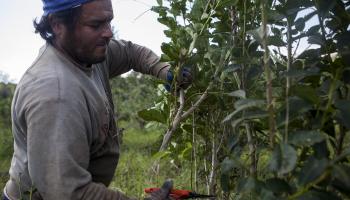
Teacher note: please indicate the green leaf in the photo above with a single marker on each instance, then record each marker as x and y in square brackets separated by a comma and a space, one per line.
[313, 169]
[313, 30]
[227, 3]
[248, 115]
[305, 138]
[194, 40]
[186, 151]
[244, 104]
[319, 195]
[152, 115]
[227, 166]
[248, 103]
[343, 43]
[316, 39]
[344, 154]
[160, 2]
[278, 186]
[233, 140]
[257, 34]
[225, 182]
[324, 6]
[275, 41]
[168, 21]
[160, 155]
[341, 173]
[170, 51]
[249, 184]
[274, 16]
[197, 9]
[284, 159]
[343, 114]
[300, 24]
[204, 16]
[276, 31]
[297, 106]
[238, 93]
[294, 73]
[162, 11]
[307, 93]
[231, 68]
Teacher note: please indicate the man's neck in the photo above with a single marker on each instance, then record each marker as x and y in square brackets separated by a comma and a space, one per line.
[68, 55]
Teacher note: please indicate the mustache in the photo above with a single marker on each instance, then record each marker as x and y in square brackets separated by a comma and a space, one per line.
[103, 42]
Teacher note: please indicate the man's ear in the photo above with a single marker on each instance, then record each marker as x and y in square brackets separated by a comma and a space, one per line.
[57, 26]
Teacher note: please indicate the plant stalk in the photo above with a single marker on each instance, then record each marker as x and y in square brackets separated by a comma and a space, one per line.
[194, 152]
[252, 150]
[289, 64]
[269, 98]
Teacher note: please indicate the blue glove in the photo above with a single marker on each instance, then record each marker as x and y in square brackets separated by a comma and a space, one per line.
[184, 79]
[163, 193]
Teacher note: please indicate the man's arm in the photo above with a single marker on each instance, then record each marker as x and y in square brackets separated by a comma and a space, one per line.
[123, 56]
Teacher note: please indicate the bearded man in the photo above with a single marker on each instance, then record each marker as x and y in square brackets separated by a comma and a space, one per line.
[65, 135]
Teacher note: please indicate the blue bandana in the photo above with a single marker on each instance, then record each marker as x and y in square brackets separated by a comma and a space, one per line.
[52, 6]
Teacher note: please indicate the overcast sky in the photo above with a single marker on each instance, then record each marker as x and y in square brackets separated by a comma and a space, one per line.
[133, 21]
[19, 45]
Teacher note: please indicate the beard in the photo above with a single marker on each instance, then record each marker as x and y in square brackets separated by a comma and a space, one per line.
[89, 58]
[85, 52]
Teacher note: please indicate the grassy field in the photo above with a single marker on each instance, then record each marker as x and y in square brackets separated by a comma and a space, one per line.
[134, 172]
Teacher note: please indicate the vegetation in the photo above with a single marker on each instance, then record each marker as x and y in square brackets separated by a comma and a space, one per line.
[6, 139]
[267, 116]
[271, 115]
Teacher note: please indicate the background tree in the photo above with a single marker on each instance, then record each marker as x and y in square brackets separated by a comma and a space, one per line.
[6, 139]
[274, 120]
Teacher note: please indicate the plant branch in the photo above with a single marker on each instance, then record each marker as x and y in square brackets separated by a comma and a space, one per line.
[289, 64]
[252, 150]
[270, 108]
[194, 152]
[308, 186]
[179, 116]
[175, 122]
[340, 140]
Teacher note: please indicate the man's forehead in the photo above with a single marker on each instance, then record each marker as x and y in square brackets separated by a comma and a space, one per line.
[98, 9]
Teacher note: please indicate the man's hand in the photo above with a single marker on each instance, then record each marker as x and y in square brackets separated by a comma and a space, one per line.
[163, 193]
[183, 79]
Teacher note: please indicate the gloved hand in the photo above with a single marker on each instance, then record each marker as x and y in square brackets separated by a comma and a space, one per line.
[184, 80]
[163, 193]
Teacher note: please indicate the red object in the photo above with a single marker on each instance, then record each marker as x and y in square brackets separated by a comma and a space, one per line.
[180, 194]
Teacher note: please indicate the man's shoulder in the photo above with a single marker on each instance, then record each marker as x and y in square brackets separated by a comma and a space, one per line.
[48, 80]
[49, 68]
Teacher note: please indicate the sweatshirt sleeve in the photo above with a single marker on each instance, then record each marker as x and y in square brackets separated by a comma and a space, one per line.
[58, 148]
[122, 56]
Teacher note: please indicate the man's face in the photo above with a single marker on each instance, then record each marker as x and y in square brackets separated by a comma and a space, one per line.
[87, 43]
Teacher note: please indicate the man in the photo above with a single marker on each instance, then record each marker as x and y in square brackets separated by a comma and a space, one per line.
[66, 139]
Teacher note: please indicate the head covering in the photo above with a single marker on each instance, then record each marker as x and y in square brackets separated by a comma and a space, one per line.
[52, 6]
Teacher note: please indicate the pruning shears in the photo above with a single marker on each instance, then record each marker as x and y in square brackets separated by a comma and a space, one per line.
[181, 194]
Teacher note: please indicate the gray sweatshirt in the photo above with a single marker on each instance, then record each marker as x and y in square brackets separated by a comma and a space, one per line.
[66, 139]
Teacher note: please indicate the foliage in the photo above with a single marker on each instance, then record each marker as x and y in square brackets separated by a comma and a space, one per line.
[133, 173]
[275, 123]
[131, 94]
[6, 144]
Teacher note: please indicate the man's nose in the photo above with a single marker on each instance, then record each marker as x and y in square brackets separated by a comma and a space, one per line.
[107, 31]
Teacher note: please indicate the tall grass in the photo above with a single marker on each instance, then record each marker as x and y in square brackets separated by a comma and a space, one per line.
[134, 172]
